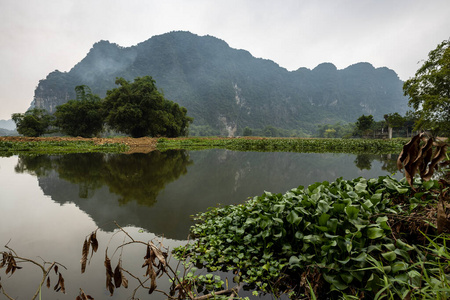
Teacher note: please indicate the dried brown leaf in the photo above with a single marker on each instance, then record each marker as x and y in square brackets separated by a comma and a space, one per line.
[148, 264]
[48, 282]
[84, 255]
[109, 275]
[443, 224]
[124, 281]
[408, 152]
[4, 259]
[427, 153]
[159, 254]
[147, 255]
[56, 269]
[83, 296]
[117, 276]
[153, 281]
[61, 282]
[12, 266]
[9, 267]
[438, 157]
[94, 242]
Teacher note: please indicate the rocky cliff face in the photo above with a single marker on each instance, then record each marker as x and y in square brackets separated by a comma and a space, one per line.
[227, 89]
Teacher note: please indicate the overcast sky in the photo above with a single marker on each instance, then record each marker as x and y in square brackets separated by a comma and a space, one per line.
[38, 37]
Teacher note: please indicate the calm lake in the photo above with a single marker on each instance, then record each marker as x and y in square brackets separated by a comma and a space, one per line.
[50, 203]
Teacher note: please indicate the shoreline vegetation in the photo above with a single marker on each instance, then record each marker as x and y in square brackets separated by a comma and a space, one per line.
[60, 145]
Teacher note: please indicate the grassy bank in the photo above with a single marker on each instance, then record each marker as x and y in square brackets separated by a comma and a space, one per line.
[8, 148]
[75, 145]
[286, 145]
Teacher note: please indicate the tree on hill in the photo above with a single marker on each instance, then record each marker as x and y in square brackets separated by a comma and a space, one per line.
[139, 109]
[83, 116]
[429, 91]
[34, 122]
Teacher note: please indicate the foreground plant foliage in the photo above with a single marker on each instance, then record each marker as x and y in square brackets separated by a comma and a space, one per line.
[349, 238]
[338, 231]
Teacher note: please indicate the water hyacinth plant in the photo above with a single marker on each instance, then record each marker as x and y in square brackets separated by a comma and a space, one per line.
[335, 238]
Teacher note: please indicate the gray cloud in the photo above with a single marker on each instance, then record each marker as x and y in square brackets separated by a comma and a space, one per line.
[38, 37]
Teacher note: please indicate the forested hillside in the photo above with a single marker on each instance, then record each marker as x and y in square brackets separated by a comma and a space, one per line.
[226, 90]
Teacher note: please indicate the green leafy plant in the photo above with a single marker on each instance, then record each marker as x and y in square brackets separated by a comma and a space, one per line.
[336, 235]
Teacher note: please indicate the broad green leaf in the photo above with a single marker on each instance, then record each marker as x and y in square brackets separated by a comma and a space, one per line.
[335, 282]
[323, 219]
[428, 184]
[374, 233]
[338, 207]
[389, 256]
[263, 223]
[332, 224]
[361, 187]
[278, 208]
[293, 218]
[323, 206]
[381, 219]
[278, 220]
[347, 278]
[344, 261]
[352, 212]
[367, 204]
[294, 261]
[376, 198]
[361, 257]
[299, 235]
[390, 246]
[399, 266]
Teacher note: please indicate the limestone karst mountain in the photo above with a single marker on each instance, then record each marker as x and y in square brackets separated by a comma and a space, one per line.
[226, 90]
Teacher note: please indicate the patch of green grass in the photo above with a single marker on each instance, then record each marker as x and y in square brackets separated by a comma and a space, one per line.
[57, 147]
[287, 145]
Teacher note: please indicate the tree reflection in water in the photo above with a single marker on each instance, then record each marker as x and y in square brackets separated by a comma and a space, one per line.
[134, 177]
[364, 161]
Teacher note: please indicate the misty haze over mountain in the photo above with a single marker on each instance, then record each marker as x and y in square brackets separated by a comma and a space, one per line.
[226, 90]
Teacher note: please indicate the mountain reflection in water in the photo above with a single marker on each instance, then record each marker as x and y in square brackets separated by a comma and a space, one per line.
[151, 191]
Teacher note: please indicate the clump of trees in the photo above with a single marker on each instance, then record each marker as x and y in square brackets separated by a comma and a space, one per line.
[81, 117]
[366, 126]
[35, 122]
[136, 108]
[429, 91]
[139, 109]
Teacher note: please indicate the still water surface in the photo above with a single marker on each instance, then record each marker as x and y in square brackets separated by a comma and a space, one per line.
[49, 204]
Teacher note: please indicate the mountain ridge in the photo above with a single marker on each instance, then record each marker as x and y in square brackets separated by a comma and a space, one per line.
[227, 89]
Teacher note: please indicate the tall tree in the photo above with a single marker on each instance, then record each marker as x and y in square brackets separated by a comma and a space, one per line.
[139, 109]
[364, 125]
[429, 91]
[83, 116]
[393, 120]
[35, 122]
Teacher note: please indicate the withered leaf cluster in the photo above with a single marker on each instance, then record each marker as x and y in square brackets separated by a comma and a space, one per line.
[419, 157]
[114, 279]
[59, 285]
[88, 242]
[182, 289]
[10, 263]
[83, 296]
[155, 262]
